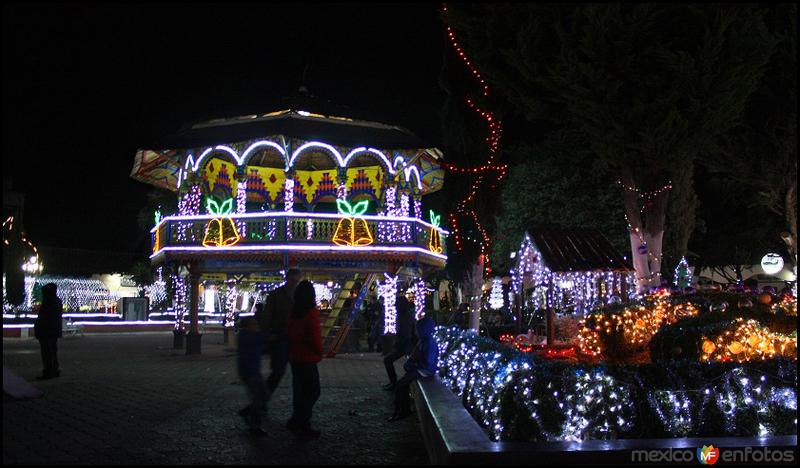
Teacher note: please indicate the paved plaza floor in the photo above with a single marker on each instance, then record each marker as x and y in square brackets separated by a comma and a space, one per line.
[131, 399]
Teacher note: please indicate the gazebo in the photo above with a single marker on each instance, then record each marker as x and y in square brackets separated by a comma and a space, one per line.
[338, 197]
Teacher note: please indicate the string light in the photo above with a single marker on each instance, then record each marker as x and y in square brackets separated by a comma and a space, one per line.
[466, 206]
[514, 396]
[387, 289]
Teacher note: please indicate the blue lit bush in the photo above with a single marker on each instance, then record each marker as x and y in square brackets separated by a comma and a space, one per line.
[517, 397]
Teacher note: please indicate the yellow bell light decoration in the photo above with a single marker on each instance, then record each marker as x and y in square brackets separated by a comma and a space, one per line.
[221, 231]
[352, 229]
[435, 244]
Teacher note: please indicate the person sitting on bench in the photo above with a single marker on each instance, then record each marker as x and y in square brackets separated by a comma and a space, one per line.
[422, 364]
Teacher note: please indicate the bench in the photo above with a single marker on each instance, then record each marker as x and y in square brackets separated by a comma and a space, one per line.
[68, 328]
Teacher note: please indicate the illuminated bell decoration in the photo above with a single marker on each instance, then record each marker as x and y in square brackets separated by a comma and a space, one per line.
[435, 244]
[352, 229]
[221, 231]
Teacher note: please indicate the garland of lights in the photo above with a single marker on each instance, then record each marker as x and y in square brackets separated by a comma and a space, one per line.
[636, 324]
[466, 207]
[388, 291]
[231, 295]
[180, 301]
[517, 397]
[648, 198]
[748, 341]
[418, 291]
[241, 205]
[580, 291]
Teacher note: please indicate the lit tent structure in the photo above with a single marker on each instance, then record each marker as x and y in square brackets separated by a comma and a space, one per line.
[339, 198]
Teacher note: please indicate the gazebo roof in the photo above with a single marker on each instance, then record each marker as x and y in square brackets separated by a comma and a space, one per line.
[303, 117]
[566, 249]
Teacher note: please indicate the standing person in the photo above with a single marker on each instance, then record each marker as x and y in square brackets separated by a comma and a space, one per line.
[250, 349]
[422, 364]
[47, 330]
[274, 322]
[305, 351]
[403, 339]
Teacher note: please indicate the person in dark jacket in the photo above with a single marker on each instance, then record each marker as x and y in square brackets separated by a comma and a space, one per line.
[274, 319]
[305, 351]
[250, 349]
[47, 330]
[422, 364]
[403, 340]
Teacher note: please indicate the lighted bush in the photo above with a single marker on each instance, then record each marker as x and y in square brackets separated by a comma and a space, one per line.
[517, 397]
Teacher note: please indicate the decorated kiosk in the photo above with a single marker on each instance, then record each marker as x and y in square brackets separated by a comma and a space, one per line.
[339, 198]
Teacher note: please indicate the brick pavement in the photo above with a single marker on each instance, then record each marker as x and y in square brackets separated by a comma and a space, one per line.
[131, 399]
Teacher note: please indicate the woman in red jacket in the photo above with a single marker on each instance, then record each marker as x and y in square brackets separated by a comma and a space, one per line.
[305, 351]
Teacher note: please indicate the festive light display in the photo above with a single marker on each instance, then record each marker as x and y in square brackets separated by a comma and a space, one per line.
[636, 324]
[435, 242]
[496, 295]
[352, 229]
[646, 200]
[288, 202]
[418, 291]
[683, 276]
[405, 212]
[241, 205]
[157, 292]
[387, 289]
[231, 295]
[566, 290]
[188, 205]
[748, 341]
[221, 230]
[417, 207]
[322, 293]
[787, 306]
[490, 172]
[180, 300]
[516, 397]
[76, 294]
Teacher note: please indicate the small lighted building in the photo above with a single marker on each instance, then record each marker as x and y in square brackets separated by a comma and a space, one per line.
[569, 270]
[338, 197]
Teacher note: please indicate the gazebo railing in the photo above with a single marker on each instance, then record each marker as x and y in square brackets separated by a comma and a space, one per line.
[254, 229]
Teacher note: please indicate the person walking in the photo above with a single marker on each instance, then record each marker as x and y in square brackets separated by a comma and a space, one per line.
[422, 364]
[403, 339]
[305, 351]
[274, 322]
[47, 329]
[249, 352]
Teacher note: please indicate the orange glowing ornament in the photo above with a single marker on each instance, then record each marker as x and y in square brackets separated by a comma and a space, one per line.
[435, 244]
[220, 231]
[352, 229]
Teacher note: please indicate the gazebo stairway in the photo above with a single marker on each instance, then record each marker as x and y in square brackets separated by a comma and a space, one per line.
[333, 335]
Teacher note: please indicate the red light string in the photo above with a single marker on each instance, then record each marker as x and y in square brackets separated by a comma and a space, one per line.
[466, 206]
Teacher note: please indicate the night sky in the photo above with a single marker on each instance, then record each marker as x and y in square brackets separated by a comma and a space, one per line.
[85, 86]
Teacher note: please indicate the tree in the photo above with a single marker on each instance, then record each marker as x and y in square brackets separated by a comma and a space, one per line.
[761, 154]
[142, 274]
[554, 182]
[652, 86]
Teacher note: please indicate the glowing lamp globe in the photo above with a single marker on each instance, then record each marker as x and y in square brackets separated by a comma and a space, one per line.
[772, 263]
